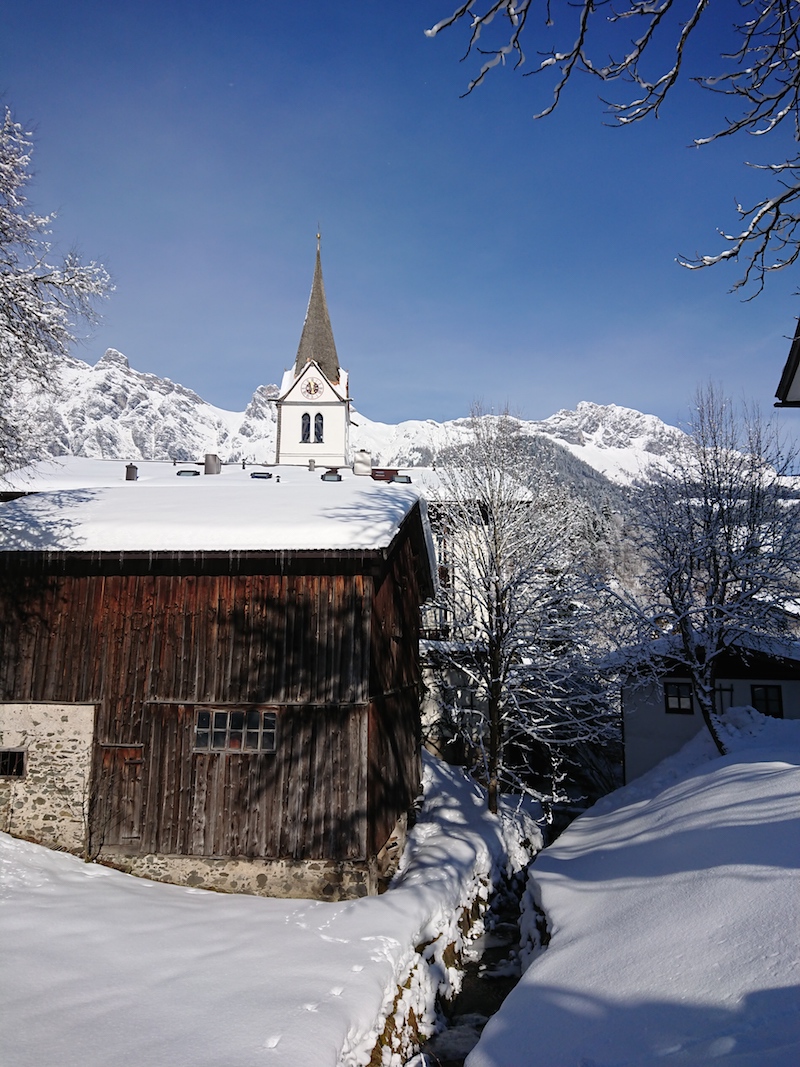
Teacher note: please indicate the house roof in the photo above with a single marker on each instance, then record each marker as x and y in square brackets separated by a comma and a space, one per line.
[316, 340]
[751, 656]
[77, 505]
[788, 392]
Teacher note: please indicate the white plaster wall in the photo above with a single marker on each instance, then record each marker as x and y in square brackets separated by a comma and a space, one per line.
[742, 694]
[332, 452]
[650, 733]
[48, 804]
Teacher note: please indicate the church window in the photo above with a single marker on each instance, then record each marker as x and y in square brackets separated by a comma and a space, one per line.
[318, 429]
[305, 428]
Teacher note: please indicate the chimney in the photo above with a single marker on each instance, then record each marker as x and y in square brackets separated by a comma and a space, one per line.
[131, 472]
[362, 463]
[213, 463]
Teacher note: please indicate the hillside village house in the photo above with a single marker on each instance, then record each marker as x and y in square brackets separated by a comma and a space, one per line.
[209, 674]
[659, 717]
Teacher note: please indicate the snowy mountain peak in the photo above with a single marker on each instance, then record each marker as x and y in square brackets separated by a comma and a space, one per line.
[612, 426]
[112, 356]
[112, 410]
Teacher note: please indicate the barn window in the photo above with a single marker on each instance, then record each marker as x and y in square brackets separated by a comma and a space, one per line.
[318, 429]
[305, 428]
[12, 763]
[235, 730]
[767, 699]
[678, 698]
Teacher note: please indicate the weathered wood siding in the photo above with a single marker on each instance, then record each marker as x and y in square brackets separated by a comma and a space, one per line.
[306, 800]
[149, 639]
[395, 768]
[394, 726]
[122, 640]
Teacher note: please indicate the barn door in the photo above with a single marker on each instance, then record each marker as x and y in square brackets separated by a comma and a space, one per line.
[117, 807]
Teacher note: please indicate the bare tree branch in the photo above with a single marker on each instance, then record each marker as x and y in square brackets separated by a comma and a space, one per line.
[719, 535]
[517, 610]
[761, 76]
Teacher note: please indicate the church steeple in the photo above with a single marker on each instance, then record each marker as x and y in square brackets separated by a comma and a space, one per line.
[314, 404]
[316, 340]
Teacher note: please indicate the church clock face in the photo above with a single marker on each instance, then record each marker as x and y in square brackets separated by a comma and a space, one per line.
[312, 388]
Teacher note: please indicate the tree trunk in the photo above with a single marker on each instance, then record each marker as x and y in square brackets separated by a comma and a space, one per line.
[704, 693]
[494, 748]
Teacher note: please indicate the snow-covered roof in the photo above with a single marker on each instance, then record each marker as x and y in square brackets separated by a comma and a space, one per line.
[446, 483]
[81, 505]
[666, 651]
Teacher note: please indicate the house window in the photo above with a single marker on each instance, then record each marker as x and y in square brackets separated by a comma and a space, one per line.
[318, 429]
[767, 699]
[235, 730]
[305, 428]
[678, 698]
[12, 763]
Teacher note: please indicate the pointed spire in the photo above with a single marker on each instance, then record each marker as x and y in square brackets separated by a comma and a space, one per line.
[316, 340]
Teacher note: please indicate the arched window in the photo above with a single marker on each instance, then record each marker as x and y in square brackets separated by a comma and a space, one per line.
[318, 429]
[305, 427]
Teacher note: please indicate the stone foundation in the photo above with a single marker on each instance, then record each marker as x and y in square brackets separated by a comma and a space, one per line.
[48, 802]
[315, 879]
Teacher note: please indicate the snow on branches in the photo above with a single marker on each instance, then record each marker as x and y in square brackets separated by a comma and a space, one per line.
[513, 597]
[719, 540]
[41, 301]
[754, 60]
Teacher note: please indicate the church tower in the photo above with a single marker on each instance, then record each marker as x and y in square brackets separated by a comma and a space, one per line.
[314, 402]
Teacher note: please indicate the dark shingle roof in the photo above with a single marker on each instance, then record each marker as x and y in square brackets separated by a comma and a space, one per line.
[788, 392]
[316, 340]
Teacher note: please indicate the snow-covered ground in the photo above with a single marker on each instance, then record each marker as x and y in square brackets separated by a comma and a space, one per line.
[100, 969]
[674, 912]
[673, 907]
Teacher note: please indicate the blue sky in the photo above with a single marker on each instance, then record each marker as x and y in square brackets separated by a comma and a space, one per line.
[469, 252]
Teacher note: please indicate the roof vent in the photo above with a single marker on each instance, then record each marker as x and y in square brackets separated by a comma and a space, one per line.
[331, 475]
[362, 463]
[188, 474]
[213, 464]
[131, 472]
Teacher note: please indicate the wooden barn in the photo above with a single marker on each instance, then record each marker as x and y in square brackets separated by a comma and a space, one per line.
[213, 678]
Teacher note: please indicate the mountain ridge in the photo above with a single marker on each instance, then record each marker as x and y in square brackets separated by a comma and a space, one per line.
[111, 410]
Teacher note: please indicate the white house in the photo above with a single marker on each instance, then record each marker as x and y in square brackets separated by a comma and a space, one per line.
[660, 716]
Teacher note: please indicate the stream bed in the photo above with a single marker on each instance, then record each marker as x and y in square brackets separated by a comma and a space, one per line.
[491, 969]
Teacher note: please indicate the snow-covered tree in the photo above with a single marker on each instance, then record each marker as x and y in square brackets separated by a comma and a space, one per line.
[719, 539]
[517, 622]
[751, 57]
[41, 301]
